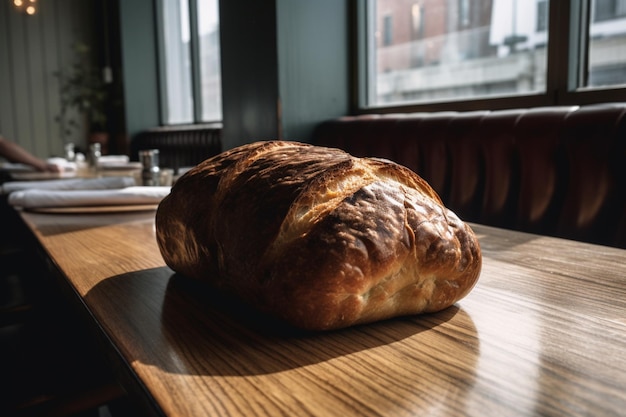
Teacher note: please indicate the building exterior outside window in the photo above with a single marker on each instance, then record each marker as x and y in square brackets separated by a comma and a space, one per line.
[482, 48]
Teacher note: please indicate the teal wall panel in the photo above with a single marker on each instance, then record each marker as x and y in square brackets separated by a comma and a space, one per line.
[249, 71]
[313, 62]
[139, 57]
[284, 67]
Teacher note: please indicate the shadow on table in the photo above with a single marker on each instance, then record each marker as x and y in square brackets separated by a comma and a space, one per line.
[181, 326]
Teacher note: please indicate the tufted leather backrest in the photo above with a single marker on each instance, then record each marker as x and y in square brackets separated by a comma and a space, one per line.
[502, 168]
[542, 168]
[467, 164]
[594, 139]
[551, 170]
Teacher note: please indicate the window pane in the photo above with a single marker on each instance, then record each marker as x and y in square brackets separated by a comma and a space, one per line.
[607, 44]
[177, 72]
[434, 50]
[209, 41]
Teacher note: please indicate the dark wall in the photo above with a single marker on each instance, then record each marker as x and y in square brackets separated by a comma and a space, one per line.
[249, 71]
[313, 57]
[284, 67]
[139, 59]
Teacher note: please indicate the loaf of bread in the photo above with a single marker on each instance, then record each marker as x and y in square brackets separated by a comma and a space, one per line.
[316, 237]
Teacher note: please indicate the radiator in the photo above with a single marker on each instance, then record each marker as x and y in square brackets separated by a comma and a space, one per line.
[180, 146]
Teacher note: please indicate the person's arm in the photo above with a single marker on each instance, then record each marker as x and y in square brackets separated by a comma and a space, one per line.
[15, 153]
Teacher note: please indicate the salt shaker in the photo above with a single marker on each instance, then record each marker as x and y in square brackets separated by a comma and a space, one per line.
[150, 162]
[94, 156]
[70, 153]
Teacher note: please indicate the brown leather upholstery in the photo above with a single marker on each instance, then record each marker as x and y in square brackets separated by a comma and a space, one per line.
[542, 175]
[467, 170]
[434, 162]
[408, 152]
[593, 139]
[552, 170]
[501, 164]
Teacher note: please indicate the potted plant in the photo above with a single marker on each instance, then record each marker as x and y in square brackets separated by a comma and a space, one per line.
[83, 95]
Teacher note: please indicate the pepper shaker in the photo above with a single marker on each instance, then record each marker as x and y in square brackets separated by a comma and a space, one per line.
[70, 153]
[94, 156]
[150, 162]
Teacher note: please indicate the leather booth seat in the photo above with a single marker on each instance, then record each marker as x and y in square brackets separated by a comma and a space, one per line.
[557, 171]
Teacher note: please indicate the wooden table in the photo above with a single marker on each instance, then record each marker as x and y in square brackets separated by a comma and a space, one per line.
[542, 333]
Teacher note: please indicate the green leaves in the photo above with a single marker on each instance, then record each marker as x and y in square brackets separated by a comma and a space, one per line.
[83, 92]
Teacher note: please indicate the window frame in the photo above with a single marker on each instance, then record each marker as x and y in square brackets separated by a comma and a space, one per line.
[196, 71]
[566, 62]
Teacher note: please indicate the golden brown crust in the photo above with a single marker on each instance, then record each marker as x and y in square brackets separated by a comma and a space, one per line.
[316, 237]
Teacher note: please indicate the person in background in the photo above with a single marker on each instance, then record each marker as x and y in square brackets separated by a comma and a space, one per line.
[15, 153]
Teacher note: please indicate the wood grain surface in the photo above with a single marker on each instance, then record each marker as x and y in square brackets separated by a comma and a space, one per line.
[542, 333]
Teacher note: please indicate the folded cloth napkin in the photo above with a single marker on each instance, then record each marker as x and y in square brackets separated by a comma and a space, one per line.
[105, 160]
[15, 167]
[36, 198]
[62, 163]
[113, 161]
[69, 184]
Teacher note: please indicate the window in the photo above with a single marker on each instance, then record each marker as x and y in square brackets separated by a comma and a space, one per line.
[190, 81]
[417, 33]
[609, 9]
[492, 53]
[542, 16]
[209, 61]
[387, 31]
[606, 45]
[417, 21]
[464, 13]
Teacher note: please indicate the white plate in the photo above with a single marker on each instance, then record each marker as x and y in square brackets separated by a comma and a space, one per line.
[13, 167]
[120, 166]
[34, 175]
[94, 209]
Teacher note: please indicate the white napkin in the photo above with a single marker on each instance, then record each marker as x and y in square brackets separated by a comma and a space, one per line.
[15, 167]
[36, 198]
[69, 184]
[105, 160]
[62, 163]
